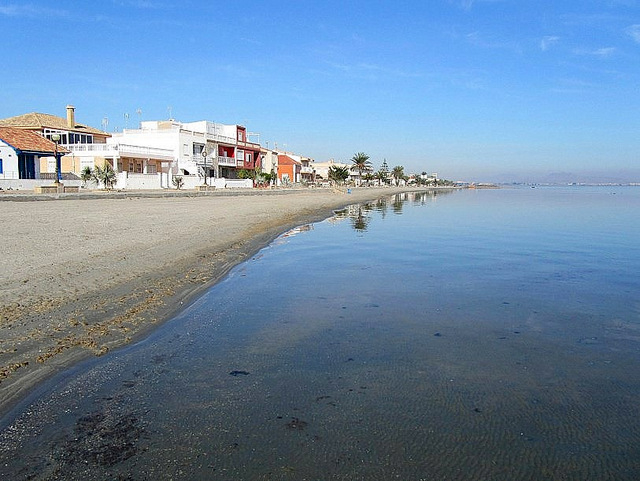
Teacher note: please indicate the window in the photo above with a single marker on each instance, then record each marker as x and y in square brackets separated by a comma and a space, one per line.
[248, 157]
[1, 171]
[240, 155]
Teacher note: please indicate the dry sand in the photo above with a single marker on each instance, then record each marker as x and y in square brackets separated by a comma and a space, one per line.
[85, 274]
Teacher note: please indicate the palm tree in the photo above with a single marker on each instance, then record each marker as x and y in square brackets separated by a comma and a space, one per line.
[86, 175]
[338, 174]
[368, 177]
[398, 173]
[382, 176]
[105, 175]
[361, 163]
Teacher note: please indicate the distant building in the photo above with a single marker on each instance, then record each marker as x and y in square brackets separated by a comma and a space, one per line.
[322, 169]
[289, 169]
[269, 161]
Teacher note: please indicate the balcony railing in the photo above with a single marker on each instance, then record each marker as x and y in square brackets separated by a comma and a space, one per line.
[121, 150]
[10, 174]
[306, 170]
[226, 161]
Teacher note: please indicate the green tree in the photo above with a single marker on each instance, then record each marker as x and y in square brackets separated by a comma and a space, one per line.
[338, 174]
[105, 175]
[246, 174]
[398, 173]
[361, 163]
[383, 173]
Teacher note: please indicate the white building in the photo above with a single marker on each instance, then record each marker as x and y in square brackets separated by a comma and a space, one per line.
[202, 151]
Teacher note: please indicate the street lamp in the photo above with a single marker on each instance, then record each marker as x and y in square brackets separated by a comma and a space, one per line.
[56, 139]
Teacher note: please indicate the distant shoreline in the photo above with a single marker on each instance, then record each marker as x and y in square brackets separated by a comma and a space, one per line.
[97, 271]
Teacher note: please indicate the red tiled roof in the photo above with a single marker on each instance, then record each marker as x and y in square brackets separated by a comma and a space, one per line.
[37, 121]
[28, 141]
[286, 160]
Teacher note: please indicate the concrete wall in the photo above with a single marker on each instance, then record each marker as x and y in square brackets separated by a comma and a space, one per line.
[193, 181]
[131, 181]
[30, 184]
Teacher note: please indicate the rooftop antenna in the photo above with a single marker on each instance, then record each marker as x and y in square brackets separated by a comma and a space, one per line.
[170, 110]
[126, 120]
[105, 123]
[139, 112]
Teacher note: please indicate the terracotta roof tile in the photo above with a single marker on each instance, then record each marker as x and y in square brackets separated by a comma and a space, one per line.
[286, 160]
[35, 120]
[28, 141]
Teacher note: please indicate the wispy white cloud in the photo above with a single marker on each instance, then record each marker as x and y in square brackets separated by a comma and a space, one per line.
[30, 11]
[634, 32]
[467, 5]
[548, 41]
[602, 52]
[148, 4]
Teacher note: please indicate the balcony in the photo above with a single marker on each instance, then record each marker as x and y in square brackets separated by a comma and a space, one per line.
[226, 161]
[121, 150]
[306, 170]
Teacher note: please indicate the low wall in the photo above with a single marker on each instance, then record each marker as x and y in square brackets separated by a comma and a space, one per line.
[193, 181]
[129, 181]
[31, 184]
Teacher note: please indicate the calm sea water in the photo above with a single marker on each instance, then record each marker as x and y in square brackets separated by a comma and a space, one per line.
[471, 335]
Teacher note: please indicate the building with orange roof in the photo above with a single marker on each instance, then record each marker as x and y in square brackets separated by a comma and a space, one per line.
[20, 153]
[289, 169]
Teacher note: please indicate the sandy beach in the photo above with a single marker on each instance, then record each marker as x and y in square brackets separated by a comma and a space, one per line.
[86, 274]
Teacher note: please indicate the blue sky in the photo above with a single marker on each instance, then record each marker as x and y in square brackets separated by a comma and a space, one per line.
[471, 89]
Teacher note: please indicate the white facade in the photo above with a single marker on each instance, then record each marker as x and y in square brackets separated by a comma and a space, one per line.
[188, 142]
[8, 162]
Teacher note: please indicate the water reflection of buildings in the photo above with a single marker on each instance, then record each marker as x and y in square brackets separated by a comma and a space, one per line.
[298, 230]
[360, 214]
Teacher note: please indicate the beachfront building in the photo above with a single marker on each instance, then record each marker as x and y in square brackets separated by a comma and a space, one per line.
[295, 168]
[307, 171]
[69, 131]
[269, 161]
[136, 166]
[289, 169]
[204, 152]
[20, 154]
[322, 169]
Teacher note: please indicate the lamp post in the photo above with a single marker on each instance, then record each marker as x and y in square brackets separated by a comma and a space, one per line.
[56, 139]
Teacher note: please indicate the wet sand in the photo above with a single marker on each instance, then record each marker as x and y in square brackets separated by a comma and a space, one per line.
[85, 274]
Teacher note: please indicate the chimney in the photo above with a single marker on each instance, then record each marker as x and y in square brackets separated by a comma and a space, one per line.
[71, 116]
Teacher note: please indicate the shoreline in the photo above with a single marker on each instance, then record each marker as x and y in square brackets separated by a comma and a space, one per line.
[98, 272]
